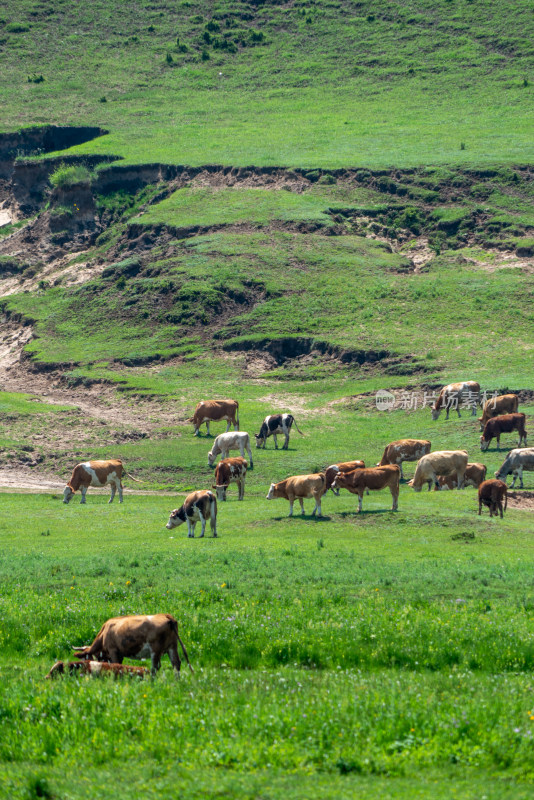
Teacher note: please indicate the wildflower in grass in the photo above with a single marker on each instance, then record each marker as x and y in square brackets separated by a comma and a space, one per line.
[128, 583]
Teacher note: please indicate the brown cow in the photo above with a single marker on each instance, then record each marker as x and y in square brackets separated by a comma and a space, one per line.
[197, 506]
[374, 479]
[139, 636]
[227, 471]
[503, 424]
[453, 395]
[474, 475]
[96, 473]
[342, 466]
[97, 668]
[495, 406]
[491, 494]
[404, 450]
[214, 410]
[300, 486]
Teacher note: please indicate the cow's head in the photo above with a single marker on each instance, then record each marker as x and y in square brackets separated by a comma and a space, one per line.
[339, 482]
[484, 443]
[270, 495]
[500, 476]
[435, 413]
[481, 423]
[57, 669]
[211, 459]
[414, 487]
[221, 491]
[260, 439]
[176, 518]
[68, 493]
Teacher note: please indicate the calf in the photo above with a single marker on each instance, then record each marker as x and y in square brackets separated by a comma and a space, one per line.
[96, 473]
[375, 478]
[300, 486]
[197, 506]
[491, 494]
[474, 475]
[503, 424]
[230, 441]
[342, 466]
[440, 462]
[272, 426]
[495, 406]
[453, 395]
[515, 462]
[227, 471]
[95, 668]
[139, 636]
[214, 410]
[404, 450]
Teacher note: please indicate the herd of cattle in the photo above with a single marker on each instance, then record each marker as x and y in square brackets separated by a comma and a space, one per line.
[143, 636]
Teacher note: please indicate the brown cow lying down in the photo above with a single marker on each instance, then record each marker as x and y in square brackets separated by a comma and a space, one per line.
[474, 475]
[300, 486]
[495, 406]
[374, 479]
[95, 668]
[504, 424]
[342, 466]
[139, 636]
[491, 494]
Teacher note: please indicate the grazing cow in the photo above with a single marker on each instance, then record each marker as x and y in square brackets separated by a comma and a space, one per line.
[503, 424]
[474, 475]
[515, 462]
[300, 486]
[96, 473]
[374, 478]
[495, 406]
[404, 450]
[272, 426]
[454, 394]
[225, 442]
[96, 668]
[139, 636]
[342, 466]
[230, 470]
[491, 494]
[441, 462]
[214, 410]
[197, 506]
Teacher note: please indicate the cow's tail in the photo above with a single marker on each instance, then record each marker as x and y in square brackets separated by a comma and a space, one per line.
[182, 645]
[296, 426]
[506, 501]
[384, 459]
[174, 629]
[137, 480]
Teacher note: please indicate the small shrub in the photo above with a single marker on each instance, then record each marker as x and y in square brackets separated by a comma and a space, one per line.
[462, 145]
[205, 55]
[35, 79]
[327, 179]
[43, 284]
[182, 48]
[212, 26]
[206, 37]
[103, 99]
[66, 175]
[370, 18]
[525, 81]
[169, 59]
[151, 29]
[17, 27]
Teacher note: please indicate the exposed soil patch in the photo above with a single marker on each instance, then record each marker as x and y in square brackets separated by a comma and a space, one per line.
[522, 500]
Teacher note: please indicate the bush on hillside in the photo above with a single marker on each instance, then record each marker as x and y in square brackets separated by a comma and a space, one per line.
[66, 175]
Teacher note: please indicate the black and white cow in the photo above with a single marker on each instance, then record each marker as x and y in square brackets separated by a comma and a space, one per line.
[273, 425]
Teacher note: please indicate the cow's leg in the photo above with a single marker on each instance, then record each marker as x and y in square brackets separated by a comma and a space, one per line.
[202, 523]
[520, 476]
[301, 501]
[172, 652]
[155, 658]
[461, 480]
[317, 508]
[190, 529]
[479, 507]
[207, 427]
[286, 443]
[119, 487]
[498, 441]
[395, 496]
[291, 499]
[113, 490]
[83, 490]
[275, 441]
[213, 520]
[499, 506]
[241, 488]
[249, 455]
[402, 474]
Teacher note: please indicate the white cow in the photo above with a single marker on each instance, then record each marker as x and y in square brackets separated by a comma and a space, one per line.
[224, 442]
[522, 458]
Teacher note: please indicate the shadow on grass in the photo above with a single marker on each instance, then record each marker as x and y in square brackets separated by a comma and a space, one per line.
[303, 518]
[365, 512]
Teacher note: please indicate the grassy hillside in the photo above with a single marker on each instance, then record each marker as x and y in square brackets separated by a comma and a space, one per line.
[297, 83]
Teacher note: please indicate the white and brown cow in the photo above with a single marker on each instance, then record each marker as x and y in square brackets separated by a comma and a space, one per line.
[273, 425]
[198, 506]
[495, 406]
[97, 669]
[375, 478]
[440, 462]
[404, 450]
[224, 442]
[227, 471]
[491, 494]
[300, 487]
[454, 395]
[503, 424]
[342, 466]
[138, 636]
[517, 460]
[474, 475]
[96, 473]
[214, 410]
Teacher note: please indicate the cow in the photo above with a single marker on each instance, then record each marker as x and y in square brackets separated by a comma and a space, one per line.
[374, 478]
[138, 636]
[273, 425]
[454, 394]
[503, 424]
[342, 466]
[214, 410]
[440, 462]
[491, 494]
[495, 406]
[404, 450]
[96, 473]
[230, 470]
[515, 462]
[197, 506]
[225, 442]
[474, 475]
[96, 668]
[299, 487]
